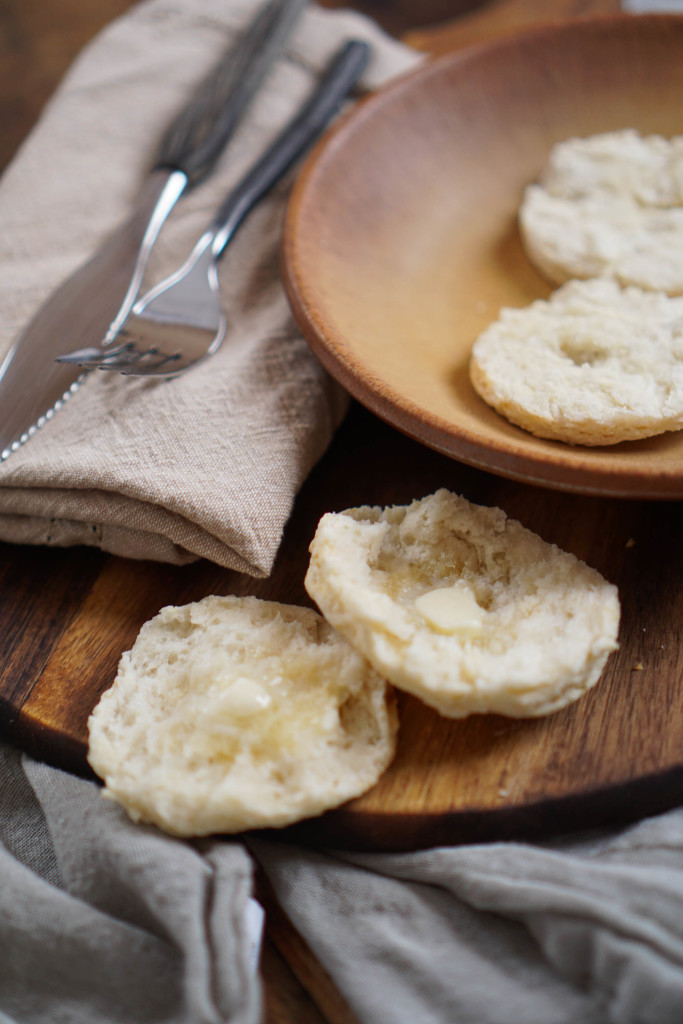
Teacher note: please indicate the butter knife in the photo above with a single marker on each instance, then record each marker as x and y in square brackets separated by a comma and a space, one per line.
[92, 303]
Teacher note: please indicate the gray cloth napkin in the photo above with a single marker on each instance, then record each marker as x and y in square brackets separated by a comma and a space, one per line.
[106, 922]
[207, 464]
[585, 930]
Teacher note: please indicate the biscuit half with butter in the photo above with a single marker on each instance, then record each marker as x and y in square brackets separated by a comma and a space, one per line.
[234, 713]
[463, 607]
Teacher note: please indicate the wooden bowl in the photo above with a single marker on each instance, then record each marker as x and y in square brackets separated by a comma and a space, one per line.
[401, 242]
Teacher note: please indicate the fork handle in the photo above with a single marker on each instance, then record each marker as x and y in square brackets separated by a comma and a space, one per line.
[340, 76]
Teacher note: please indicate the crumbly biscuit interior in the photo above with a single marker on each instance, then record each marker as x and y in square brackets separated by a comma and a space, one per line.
[234, 713]
[520, 626]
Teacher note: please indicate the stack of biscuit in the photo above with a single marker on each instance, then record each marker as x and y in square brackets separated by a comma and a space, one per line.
[601, 361]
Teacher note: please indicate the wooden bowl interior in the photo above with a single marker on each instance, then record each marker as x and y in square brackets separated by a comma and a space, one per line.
[401, 242]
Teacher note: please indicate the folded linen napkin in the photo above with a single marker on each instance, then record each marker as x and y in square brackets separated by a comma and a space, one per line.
[207, 464]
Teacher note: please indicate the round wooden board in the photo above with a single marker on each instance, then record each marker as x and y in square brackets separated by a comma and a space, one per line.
[401, 242]
[67, 615]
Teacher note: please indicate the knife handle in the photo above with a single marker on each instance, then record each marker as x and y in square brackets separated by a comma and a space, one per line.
[341, 74]
[197, 136]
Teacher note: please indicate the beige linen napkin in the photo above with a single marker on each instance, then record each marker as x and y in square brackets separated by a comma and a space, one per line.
[207, 464]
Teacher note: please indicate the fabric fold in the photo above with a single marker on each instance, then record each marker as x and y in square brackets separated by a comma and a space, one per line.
[585, 928]
[205, 465]
[116, 923]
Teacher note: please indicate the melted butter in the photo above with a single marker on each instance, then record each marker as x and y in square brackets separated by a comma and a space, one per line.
[242, 697]
[452, 609]
[272, 707]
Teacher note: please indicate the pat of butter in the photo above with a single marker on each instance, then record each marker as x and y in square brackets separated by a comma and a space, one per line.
[242, 697]
[451, 609]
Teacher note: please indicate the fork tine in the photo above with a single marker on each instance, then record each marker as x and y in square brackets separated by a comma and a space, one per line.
[148, 363]
[121, 358]
[134, 362]
[115, 360]
[126, 358]
[92, 357]
[130, 361]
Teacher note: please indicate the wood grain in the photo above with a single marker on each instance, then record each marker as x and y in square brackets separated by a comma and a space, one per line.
[616, 753]
[38, 41]
[305, 970]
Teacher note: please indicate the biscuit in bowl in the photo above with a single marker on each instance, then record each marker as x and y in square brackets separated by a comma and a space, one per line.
[593, 365]
[610, 205]
[463, 607]
[235, 713]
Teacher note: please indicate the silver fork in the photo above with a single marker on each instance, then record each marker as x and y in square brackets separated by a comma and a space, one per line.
[181, 321]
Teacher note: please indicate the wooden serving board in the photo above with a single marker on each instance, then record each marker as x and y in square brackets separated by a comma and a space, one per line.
[67, 615]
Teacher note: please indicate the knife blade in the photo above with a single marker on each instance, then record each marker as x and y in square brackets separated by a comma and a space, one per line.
[90, 305]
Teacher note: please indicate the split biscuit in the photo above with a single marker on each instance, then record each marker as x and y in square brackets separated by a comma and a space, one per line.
[593, 365]
[234, 713]
[610, 205]
[462, 607]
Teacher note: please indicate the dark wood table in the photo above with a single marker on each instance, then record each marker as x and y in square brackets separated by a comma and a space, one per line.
[49, 599]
